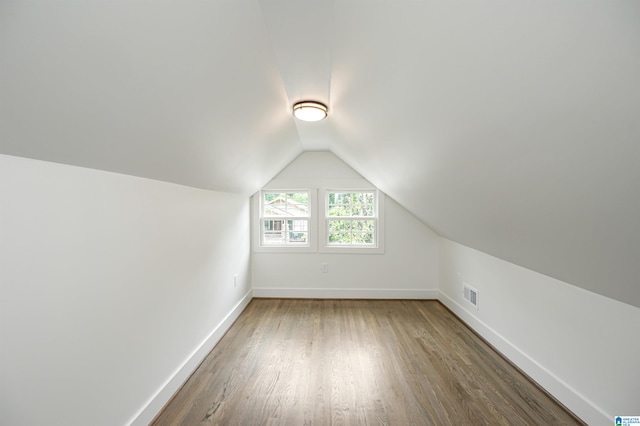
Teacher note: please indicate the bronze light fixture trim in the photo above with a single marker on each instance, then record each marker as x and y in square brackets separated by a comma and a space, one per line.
[310, 111]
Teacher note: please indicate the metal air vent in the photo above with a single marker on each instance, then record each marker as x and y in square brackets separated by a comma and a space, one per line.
[471, 295]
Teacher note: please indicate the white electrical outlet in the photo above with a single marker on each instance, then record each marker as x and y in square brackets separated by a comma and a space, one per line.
[235, 280]
[324, 268]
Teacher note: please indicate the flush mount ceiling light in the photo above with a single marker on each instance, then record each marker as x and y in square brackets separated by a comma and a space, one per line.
[309, 111]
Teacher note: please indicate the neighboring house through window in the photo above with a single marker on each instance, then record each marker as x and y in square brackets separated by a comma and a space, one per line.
[285, 219]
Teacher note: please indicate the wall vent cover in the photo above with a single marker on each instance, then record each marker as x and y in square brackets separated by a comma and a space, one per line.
[471, 295]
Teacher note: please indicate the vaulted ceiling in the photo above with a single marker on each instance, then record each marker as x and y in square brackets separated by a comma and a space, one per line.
[510, 127]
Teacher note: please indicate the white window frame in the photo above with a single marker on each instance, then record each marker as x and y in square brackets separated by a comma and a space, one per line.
[378, 218]
[258, 218]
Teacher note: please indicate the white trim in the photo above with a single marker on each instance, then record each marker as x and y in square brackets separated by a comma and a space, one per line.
[572, 399]
[346, 293]
[180, 376]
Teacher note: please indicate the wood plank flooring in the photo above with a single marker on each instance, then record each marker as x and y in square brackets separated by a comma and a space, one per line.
[356, 362]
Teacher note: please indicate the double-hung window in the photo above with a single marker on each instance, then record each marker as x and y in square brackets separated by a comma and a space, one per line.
[352, 221]
[284, 219]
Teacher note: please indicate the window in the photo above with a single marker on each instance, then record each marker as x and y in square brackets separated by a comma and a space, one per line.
[352, 221]
[351, 218]
[315, 220]
[284, 219]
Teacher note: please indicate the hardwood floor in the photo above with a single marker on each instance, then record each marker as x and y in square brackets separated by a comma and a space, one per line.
[356, 362]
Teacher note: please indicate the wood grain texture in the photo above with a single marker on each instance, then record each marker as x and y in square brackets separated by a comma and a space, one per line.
[357, 362]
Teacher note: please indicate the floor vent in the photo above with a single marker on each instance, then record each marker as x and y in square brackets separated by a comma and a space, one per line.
[471, 295]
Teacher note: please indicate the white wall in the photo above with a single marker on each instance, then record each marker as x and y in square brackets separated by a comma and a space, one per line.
[407, 269]
[112, 288]
[580, 346]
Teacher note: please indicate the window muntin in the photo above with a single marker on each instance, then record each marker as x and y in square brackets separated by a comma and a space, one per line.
[351, 218]
[284, 219]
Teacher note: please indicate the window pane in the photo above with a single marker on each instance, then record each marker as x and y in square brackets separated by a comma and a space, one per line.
[362, 238]
[339, 198]
[362, 225]
[340, 238]
[339, 204]
[297, 237]
[352, 204]
[285, 204]
[339, 226]
[282, 232]
[273, 225]
[299, 197]
[297, 225]
[273, 232]
[339, 231]
[339, 210]
[364, 204]
[298, 231]
[368, 198]
[363, 210]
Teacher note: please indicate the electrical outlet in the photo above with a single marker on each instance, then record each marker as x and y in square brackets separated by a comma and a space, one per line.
[324, 268]
[235, 280]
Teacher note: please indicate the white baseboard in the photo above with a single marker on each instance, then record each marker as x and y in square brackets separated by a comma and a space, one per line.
[585, 409]
[345, 293]
[569, 397]
[171, 386]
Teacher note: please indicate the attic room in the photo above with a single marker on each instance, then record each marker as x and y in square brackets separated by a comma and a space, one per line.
[494, 146]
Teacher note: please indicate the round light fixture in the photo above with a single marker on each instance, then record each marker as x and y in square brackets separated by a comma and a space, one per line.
[309, 111]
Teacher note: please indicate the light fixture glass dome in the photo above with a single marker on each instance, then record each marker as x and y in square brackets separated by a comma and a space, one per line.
[309, 111]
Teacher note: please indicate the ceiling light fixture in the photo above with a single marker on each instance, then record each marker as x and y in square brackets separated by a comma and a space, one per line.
[309, 111]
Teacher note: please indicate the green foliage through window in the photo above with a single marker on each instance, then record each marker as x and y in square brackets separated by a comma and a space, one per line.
[351, 218]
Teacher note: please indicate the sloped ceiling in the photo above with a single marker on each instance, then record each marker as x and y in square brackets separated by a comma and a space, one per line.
[510, 127]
